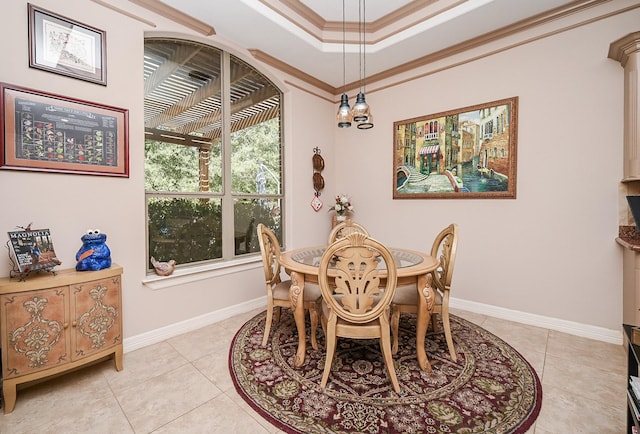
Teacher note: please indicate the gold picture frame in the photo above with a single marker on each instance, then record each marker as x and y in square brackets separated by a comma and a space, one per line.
[467, 153]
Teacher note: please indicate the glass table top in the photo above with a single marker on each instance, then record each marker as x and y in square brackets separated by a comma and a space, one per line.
[312, 257]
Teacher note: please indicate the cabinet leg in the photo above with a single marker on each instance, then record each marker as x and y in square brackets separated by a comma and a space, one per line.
[117, 358]
[9, 391]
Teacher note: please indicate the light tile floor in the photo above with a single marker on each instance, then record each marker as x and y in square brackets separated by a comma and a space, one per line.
[182, 385]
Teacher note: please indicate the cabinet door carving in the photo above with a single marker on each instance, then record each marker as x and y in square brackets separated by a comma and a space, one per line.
[35, 323]
[96, 312]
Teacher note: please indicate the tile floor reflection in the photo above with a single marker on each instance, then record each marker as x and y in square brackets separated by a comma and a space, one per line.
[182, 385]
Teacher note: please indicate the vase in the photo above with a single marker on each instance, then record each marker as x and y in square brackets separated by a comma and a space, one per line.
[341, 218]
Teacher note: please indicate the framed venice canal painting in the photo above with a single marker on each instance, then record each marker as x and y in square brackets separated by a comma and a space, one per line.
[468, 153]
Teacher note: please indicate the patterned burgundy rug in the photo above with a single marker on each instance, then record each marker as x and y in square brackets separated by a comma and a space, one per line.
[490, 389]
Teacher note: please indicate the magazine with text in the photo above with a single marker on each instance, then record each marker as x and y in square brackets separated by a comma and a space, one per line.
[33, 250]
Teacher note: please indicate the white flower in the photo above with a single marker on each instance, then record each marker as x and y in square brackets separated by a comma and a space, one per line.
[342, 205]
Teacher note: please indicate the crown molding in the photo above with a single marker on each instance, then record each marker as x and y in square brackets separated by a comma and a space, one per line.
[175, 15]
[288, 69]
[487, 38]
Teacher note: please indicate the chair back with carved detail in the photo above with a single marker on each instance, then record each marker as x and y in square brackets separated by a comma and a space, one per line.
[270, 250]
[355, 298]
[444, 249]
[278, 291]
[345, 228]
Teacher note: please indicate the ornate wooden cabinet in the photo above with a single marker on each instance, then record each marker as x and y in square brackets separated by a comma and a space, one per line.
[53, 323]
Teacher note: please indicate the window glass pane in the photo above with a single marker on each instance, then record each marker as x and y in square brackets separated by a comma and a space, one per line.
[191, 148]
[181, 168]
[183, 89]
[255, 131]
[255, 159]
[184, 229]
[248, 214]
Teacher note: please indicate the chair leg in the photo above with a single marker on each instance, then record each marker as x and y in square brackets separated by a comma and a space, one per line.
[331, 348]
[267, 324]
[313, 315]
[395, 328]
[385, 345]
[447, 334]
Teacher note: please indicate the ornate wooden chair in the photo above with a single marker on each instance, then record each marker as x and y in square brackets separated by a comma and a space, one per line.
[278, 290]
[406, 297]
[355, 305]
[345, 228]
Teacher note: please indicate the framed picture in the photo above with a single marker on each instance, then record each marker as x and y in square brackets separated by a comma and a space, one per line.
[459, 154]
[51, 133]
[58, 44]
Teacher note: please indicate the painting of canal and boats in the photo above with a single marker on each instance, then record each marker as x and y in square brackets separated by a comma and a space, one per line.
[463, 153]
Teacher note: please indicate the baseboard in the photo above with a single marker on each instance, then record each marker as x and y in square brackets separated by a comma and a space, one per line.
[570, 327]
[164, 333]
[561, 325]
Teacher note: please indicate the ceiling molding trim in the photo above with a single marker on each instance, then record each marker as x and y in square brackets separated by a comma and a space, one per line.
[527, 24]
[288, 69]
[309, 91]
[125, 13]
[300, 9]
[175, 15]
[404, 12]
[327, 32]
[424, 61]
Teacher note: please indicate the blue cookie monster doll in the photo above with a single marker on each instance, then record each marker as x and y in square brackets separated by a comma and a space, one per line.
[94, 253]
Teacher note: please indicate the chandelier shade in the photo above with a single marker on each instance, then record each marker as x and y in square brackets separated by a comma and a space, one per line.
[344, 112]
[360, 108]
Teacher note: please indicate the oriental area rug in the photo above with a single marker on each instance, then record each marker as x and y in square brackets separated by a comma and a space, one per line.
[490, 389]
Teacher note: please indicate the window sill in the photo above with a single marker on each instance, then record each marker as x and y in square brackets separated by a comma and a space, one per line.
[202, 272]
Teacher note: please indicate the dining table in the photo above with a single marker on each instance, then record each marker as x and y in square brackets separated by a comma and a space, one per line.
[413, 267]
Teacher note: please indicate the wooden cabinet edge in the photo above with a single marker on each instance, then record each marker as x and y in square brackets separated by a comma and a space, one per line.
[63, 277]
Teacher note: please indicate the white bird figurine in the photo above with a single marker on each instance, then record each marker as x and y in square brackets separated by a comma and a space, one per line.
[163, 268]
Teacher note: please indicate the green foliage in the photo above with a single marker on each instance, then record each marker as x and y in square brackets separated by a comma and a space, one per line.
[190, 229]
[252, 147]
[170, 167]
[186, 230]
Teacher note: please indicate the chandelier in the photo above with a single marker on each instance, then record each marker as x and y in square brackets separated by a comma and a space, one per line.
[361, 113]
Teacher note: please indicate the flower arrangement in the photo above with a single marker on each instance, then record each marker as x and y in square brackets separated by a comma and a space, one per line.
[342, 205]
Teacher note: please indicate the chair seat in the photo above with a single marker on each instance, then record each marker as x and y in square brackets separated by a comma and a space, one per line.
[312, 291]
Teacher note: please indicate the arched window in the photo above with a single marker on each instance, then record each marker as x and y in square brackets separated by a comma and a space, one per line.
[213, 153]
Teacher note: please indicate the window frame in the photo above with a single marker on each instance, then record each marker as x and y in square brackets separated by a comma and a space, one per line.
[227, 197]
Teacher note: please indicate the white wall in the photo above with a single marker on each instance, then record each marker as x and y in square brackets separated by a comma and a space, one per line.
[550, 252]
[71, 204]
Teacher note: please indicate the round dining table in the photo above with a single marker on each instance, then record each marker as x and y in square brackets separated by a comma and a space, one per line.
[413, 268]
